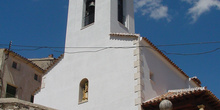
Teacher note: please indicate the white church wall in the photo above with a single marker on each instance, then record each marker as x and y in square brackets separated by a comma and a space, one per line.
[159, 74]
[111, 81]
[110, 71]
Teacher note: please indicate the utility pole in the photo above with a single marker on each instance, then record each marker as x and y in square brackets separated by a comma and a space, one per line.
[9, 47]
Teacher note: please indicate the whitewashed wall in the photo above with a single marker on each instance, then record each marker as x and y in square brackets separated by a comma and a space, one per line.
[165, 75]
[116, 26]
[110, 72]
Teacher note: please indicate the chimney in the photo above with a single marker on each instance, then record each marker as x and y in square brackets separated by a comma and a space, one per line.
[50, 56]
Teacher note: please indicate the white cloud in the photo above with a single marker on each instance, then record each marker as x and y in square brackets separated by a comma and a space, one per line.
[201, 6]
[189, 1]
[153, 8]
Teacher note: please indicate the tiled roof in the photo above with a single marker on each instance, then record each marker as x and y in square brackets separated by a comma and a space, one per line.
[180, 94]
[195, 79]
[23, 59]
[54, 63]
[29, 61]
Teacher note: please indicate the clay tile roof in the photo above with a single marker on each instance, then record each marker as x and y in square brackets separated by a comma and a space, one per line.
[54, 63]
[24, 59]
[180, 94]
[29, 61]
[195, 79]
[172, 94]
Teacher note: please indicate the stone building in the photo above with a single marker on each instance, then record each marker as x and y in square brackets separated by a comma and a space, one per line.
[21, 77]
[113, 68]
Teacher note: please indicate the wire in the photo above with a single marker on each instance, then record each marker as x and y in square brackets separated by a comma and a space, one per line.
[196, 43]
[98, 49]
[101, 49]
[4, 44]
[187, 54]
[27, 49]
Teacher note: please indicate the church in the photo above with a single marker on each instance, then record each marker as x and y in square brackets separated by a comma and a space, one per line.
[106, 66]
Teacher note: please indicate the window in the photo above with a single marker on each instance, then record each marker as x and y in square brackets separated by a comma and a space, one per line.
[10, 91]
[32, 98]
[120, 11]
[37, 78]
[14, 65]
[83, 90]
[89, 13]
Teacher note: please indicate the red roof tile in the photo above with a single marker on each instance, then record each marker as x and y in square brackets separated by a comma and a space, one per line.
[180, 94]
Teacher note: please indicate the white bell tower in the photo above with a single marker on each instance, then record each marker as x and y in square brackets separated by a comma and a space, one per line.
[94, 73]
[91, 21]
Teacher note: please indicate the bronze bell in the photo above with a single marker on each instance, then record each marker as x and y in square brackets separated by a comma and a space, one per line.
[92, 4]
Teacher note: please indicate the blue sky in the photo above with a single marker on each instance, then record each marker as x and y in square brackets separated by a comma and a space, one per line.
[43, 23]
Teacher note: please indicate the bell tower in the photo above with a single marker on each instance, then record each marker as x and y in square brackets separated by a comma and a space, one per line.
[96, 19]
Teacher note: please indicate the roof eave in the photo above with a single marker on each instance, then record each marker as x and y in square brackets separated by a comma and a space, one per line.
[25, 60]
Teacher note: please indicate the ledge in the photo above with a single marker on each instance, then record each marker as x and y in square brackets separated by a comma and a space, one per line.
[83, 102]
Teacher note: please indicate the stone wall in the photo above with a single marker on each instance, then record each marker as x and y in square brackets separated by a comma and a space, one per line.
[16, 104]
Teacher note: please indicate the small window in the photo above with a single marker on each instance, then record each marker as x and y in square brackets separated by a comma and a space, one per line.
[89, 13]
[151, 76]
[83, 90]
[120, 12]
[10, 91]
[32, 99]
[37, 78]
[14, 65]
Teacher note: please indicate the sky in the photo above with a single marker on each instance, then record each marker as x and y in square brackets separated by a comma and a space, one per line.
[35, 25]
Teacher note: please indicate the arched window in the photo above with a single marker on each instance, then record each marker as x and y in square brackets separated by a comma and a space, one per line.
[83, 90]
[89, 12]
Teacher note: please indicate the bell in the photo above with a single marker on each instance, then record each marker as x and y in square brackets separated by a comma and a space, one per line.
[92, 4]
